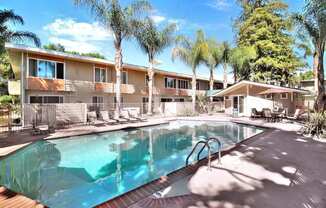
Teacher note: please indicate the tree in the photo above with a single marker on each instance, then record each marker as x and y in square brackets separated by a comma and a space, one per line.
[61, 48]
[226, 60]
[240, 60]
[9, 35]
[313, 23]
[266, 29]
[120, 21]
[212, 60]
[55, 47]
[192, 53]
[153, 41]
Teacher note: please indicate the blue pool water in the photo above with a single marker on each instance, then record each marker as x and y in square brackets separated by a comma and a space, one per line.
[85, 171]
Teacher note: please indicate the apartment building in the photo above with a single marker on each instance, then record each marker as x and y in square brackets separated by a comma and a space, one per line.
[44, 76]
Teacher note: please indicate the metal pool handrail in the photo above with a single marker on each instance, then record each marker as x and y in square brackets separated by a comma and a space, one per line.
[206, 144]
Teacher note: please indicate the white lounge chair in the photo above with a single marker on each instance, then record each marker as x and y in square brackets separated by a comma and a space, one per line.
[125, 115]
[104, 115]
[134, 114]
[92, 118]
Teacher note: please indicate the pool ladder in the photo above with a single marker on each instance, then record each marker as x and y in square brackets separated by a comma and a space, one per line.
[206, 144]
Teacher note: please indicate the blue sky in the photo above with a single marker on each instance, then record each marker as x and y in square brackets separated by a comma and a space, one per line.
[60, 21]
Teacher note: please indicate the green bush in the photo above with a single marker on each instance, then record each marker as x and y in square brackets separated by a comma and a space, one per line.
[316, 123]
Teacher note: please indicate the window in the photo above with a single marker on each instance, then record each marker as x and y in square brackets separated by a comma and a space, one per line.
[46, 69]
[100, 75]
[124, 77]
[46, 99]
[284, 96]
[268, 96]
[166, 100]
[183, 84]
[98, 100]
[146, 79]
[170, 82]
[179, 100]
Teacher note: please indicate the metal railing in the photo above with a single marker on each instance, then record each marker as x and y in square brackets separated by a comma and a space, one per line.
[206, 144]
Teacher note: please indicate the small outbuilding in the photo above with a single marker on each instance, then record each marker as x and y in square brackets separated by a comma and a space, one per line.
[240, 98]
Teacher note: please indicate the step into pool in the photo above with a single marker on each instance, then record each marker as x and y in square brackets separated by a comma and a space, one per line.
[85, 171]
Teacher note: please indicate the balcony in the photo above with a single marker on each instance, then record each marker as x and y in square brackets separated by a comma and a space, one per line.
[36, 83]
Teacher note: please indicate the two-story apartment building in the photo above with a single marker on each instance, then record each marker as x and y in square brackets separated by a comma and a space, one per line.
[45, 76]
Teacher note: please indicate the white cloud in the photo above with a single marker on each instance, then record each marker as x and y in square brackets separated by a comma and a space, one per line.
[220, 4]
[80, 31]
[158, 19]
[74, 45]
[78, 36]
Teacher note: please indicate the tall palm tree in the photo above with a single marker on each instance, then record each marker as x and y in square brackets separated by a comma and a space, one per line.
[313, 23]
[225, 60]
[8, 35]
[121, 22]
[153, 41]
[192, 53]
[240, 58]
[212, 60]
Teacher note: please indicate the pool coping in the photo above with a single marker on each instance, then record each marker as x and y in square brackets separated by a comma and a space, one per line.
[135, 195]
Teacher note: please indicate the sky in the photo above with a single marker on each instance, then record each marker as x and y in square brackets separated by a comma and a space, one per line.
[60, 21]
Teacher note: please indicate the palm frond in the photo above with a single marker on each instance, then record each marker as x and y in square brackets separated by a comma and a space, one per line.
[10, 16]
[182, 54]
[23, 36]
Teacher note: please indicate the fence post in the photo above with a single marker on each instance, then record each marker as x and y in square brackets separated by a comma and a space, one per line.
[9, 121]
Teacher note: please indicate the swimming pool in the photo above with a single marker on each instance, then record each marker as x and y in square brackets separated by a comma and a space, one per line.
[85, 171]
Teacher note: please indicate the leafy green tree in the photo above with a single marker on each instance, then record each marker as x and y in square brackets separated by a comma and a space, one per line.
[8, 17]
[61, 48]
[153, 41]
[55, 47]
[312, 23]
[266, 29]
[120, 21]
[192, 53]
[213, 59]
[240, 60]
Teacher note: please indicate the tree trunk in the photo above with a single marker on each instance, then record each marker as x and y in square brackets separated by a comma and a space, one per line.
[211, 83]
[315, 70]
[150, 87]
[320, 99]
[118, 68]
[193, 96]
[225, 76]
[235, 75]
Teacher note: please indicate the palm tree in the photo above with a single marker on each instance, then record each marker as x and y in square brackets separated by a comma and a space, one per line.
[213, 59]
[153, 41]
[239, 59]
[313, 23]
[121, 22]
[192, 53]
[225, 60]
[8, 35]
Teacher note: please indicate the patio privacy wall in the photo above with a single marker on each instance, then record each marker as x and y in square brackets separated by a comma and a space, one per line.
[55, 114]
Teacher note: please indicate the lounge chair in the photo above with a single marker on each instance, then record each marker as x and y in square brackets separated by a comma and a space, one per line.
[268, 115]
[134, 114]
[125, 115]
[255, 114]
[296, 116]
[105, 117]
[40, 130]
[118, 119]
[92, 118]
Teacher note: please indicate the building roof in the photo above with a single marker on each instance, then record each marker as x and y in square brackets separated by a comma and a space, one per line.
[41, 51]
[245, 83]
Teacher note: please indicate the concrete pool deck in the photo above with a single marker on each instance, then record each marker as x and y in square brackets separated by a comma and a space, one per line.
[275, 169]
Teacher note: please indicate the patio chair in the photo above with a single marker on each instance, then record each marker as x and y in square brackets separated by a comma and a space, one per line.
[134, 114]
[125, 115]
[105, 117]
[267, 114]
[255, 114]
[296, 116]
[92, 118]
[117, 119]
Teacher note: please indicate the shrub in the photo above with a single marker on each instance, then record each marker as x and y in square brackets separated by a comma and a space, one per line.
[316, 123]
